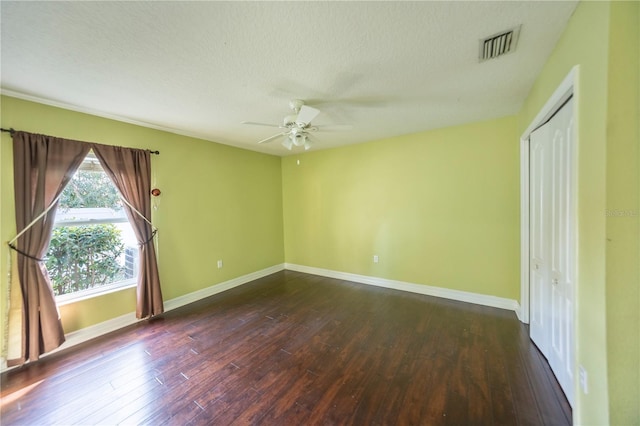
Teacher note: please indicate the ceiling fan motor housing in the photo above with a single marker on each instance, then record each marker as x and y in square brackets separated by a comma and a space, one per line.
[290, 120]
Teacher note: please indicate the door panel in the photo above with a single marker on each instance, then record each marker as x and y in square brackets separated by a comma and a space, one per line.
[552, 276]
[539, 222]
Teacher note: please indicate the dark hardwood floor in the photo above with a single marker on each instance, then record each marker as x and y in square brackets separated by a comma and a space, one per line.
[298, 349]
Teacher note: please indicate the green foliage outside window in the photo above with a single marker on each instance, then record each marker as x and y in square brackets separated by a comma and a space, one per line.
[83, 257]
[90, 189]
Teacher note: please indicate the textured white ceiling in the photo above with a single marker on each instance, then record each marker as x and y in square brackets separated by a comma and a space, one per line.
[201, 68]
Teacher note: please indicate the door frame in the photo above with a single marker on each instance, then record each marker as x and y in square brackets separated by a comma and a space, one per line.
[566, 89]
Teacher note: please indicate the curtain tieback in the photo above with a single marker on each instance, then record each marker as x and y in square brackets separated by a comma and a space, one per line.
[136, 211]
[33, 222]
[13, 247]
[153, 234]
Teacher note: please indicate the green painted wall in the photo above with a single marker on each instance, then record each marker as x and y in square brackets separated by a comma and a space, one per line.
[217, 202]
[623, 220]
[601, 38]
[439, 208]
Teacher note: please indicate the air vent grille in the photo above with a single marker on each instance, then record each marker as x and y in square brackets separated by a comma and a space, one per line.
[499, 44]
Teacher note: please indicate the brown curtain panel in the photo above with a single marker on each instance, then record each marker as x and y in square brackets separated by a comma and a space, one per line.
[42, 166]
[130, 170]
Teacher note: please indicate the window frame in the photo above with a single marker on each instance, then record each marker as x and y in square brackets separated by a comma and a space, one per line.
[91, 164]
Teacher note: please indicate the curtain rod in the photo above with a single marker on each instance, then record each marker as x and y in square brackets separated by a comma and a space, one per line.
[11, 131]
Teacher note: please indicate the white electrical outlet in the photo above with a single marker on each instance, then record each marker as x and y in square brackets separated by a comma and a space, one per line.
[219, 264]
[375, 258]
[583, 380]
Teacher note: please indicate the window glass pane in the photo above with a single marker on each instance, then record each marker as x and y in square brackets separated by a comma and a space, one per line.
[93, 244]
[84, 257]
[90, 187]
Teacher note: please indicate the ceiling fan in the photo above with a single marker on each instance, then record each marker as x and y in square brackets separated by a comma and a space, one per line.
[296, 126]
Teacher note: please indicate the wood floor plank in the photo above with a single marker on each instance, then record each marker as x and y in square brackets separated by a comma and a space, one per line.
[293, 348]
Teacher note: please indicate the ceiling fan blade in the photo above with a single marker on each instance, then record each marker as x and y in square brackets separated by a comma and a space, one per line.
[253, 123]
[270, 138]
[306, 114]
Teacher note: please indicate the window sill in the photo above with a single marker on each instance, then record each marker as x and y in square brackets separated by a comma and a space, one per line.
[66, 299]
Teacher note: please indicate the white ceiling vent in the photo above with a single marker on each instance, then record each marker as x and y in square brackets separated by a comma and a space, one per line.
[499, 44]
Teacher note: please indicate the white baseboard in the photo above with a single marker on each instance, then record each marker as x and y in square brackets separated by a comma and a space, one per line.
[518, 310]
[461, 296]
[220, 287]
[79, 336]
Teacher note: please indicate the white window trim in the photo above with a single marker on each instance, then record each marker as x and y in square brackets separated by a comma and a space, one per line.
[65, 299]
[90, 222]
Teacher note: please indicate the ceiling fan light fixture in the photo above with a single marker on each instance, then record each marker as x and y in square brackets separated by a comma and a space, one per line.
[286, 142]
[307, 145]
[299, 139]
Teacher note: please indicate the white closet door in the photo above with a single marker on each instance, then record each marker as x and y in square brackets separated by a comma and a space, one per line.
[540, 228]
[552, 277]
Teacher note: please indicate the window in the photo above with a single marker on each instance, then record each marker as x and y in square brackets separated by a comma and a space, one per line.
[93, 248]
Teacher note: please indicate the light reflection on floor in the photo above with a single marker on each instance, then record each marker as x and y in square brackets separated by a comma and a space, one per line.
[15, 396]
[129, 372]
